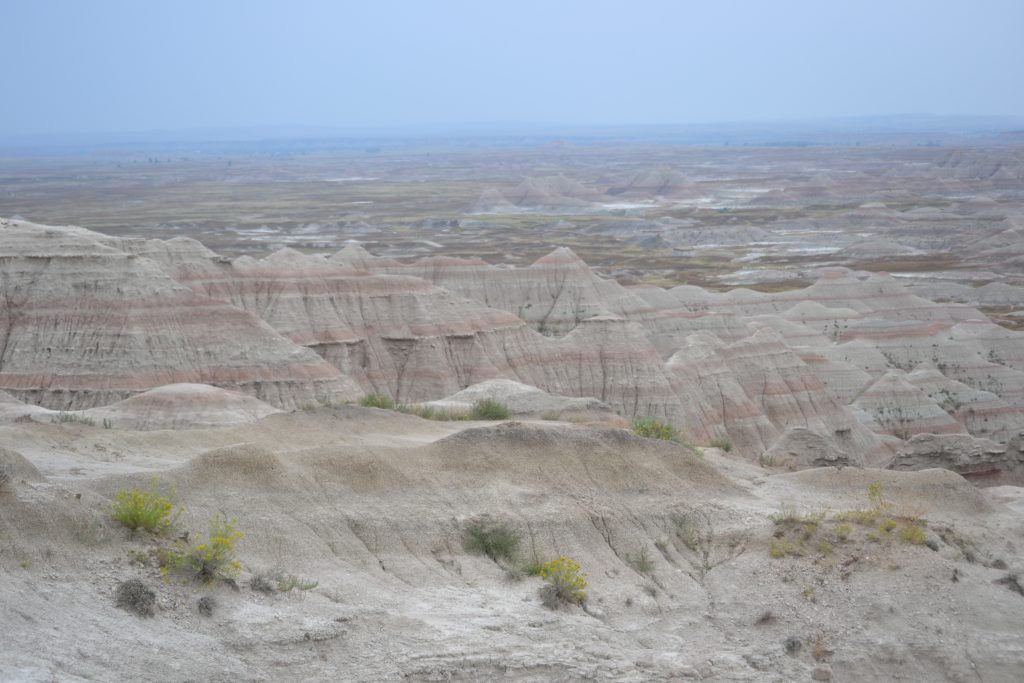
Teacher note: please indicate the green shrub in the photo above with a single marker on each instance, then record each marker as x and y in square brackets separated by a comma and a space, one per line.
[135, 596]
[687, 530]
[641, 562]
[72, 418]
[652, 428]
[722, 443]
[532, 568]
[781, 548]
[914, 535]
[263, 582]
[432, 413]
[565, 584]
[789, 515]
[211, 561]
[148, 509]
[377, 401]
[496, 540]
[487, 409]
[286, 583]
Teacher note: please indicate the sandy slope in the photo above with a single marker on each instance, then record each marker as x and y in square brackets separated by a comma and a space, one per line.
[372, 505]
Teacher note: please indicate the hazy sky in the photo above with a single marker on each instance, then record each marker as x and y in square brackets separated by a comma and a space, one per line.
[101, 65]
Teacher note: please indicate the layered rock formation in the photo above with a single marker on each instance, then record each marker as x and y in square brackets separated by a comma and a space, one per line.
[395, 334]
[553, 294]
[894, 406]
[85, 324]
[551, 192]
[292, 328]
[976, 459]
[982, 413]
[657, 182]
[800, 448]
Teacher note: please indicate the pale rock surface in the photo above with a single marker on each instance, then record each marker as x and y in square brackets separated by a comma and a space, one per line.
[553, 295]
[894, 406]
[801, 448]
[331, 496]
[876, 248]
[983, 413]
[521, 399]
[657, 182]
[790, 394]
[976, 459]
[844, 380]
[182, 406]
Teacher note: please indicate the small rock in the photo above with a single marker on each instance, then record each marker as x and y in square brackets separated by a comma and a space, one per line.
[821, 674]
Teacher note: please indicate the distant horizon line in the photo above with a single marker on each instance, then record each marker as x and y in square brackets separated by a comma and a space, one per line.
[910, 128]
[533, 126]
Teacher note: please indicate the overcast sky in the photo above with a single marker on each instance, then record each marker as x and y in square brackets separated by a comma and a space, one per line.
[137, 65]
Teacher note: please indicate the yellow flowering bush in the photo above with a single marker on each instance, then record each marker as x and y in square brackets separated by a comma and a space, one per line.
[211, 561]
[149, 509]
[566, 585]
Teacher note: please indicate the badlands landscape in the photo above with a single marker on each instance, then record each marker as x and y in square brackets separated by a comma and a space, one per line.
[768, 399]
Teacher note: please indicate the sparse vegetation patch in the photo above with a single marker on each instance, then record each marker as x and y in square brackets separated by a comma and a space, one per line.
[376, 400]
[496, 540]
[565, 584]
[653, 428]
[72, 418]
[151, 509]
[799, 534]
[211, 561]
[641, 562]
[135, 596]
[487, 409]
[721, 443]
[432, 413]
[286, 583]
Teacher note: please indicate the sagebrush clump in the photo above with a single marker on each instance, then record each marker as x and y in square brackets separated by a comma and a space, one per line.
[641, 562]
[721, 443]
[432, 413]
[286, 583]
[377, 401]
[496, 540]
[72, 418]
[211, 561]
[206, 605]
[263, 582]
[565, 584]
[487, 409]
[149, 509]
[135, 596]
[653, 428]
